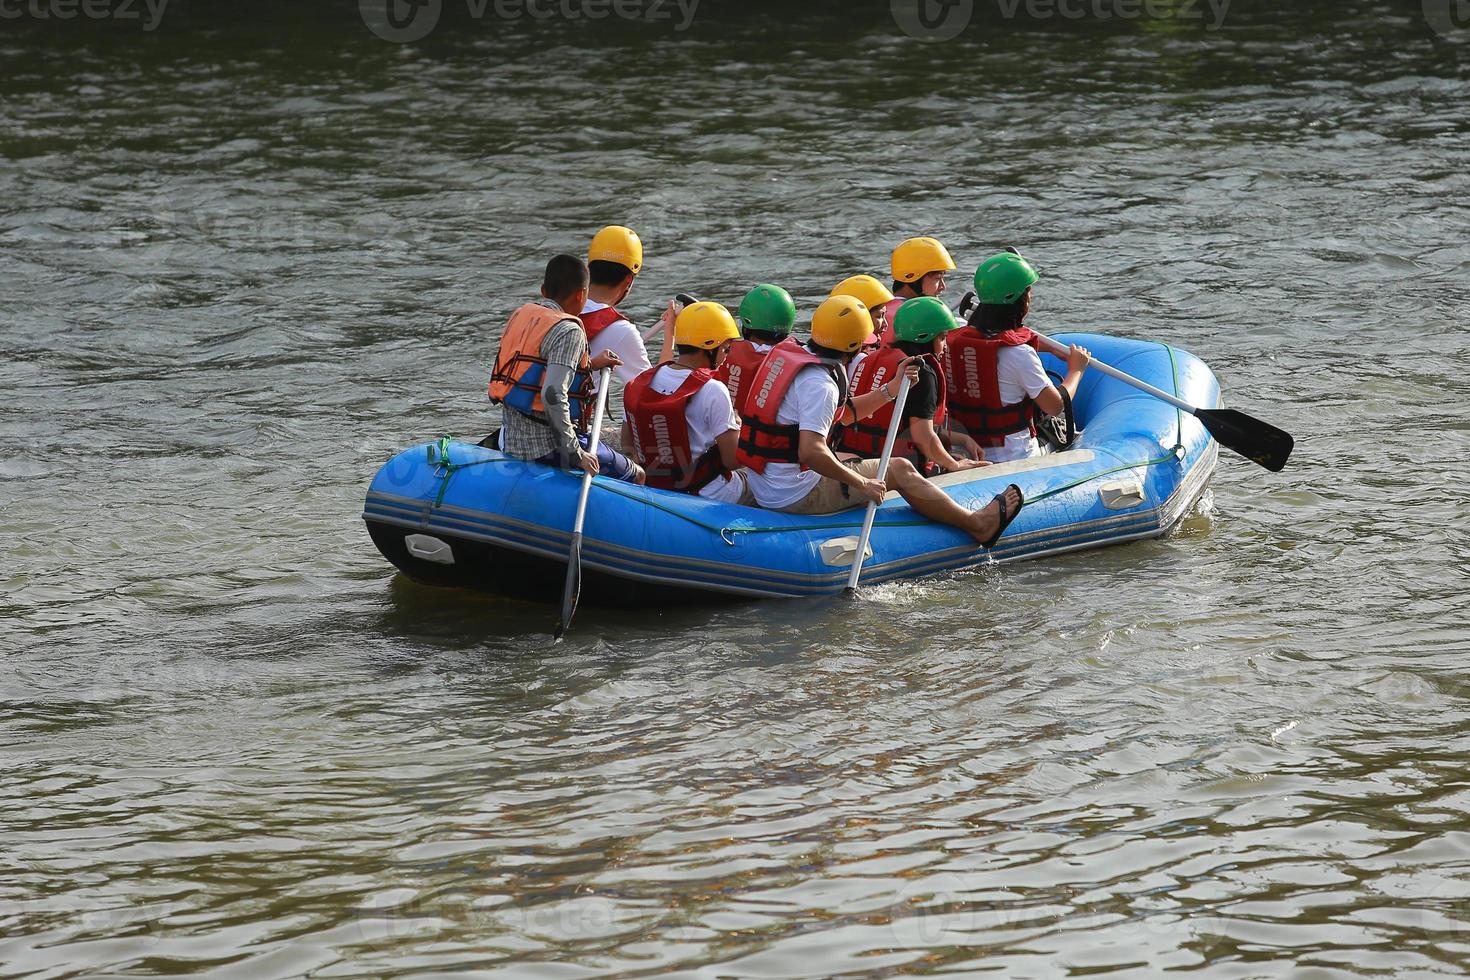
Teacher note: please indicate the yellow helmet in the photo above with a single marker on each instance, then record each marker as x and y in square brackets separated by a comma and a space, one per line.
[841, 323]
[617, 244]
[918, 257]
[868, 290]
[704, 325]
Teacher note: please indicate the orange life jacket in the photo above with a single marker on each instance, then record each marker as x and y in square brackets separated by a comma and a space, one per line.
[865, 437]
[763, 440]
[971, 367]
[520, 368]
[660, 425]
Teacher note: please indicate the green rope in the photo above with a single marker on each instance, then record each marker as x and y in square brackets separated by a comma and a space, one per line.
[1178, 412]
[439, 459]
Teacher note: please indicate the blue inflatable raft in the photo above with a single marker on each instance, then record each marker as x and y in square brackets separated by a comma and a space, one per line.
[453, 513]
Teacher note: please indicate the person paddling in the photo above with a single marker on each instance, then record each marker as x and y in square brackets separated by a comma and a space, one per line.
[996, 381]
[681, 422]
[919, 331]
[614, 260]
[543, 379]
[767, 316]
[799, 394]
[920, 267]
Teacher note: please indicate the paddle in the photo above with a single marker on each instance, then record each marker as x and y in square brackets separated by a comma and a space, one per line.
[574, 558]
[888, 441]
[1259, 442]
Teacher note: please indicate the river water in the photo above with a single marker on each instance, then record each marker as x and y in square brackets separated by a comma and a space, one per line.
[245, 260]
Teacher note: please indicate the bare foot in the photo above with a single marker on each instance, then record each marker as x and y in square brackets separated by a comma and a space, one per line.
[986, 524]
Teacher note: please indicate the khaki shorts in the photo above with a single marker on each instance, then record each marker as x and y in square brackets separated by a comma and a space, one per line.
[827, 497]
[747, 499]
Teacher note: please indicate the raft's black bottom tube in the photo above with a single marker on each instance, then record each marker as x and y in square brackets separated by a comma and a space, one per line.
[486, 567]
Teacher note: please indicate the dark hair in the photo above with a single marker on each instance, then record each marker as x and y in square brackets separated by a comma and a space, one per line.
[897, 286]
[994, 318]
[605, 273]
[565, 274]
[912, 347]
[709, 352]
[762, 336]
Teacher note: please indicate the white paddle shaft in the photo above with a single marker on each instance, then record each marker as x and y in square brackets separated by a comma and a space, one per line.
[1060, 350]
[604, 381]
[888, 441]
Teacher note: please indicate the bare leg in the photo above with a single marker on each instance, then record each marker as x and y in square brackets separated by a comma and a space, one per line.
[936, 505]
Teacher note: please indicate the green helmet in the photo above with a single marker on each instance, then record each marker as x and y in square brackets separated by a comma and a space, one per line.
[768, 309]
[921, 319]
[1003, 278]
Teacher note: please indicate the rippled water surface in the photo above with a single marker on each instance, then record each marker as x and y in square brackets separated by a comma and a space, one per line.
[243, 262]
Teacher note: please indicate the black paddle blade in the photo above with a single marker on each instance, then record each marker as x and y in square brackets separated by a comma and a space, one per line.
[573, 588]
[1261, 443]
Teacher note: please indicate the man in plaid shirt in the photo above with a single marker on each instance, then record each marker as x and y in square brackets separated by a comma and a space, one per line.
[546, 434]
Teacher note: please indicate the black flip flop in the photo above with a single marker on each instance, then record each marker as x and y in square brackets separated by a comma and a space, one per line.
[1005, 518]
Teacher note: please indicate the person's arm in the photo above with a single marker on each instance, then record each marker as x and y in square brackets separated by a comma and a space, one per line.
[865, 405]
[728, 443]
[621, 338]
[667, 322]
[555, 385]
[965, 444]
[563, 350]
[923, 435]
[722, 410]
[1050, 400]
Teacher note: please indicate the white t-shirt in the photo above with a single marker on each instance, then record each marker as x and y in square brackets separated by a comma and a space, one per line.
[811, 403]
[623, 339]
[1021, 376]
[709, 414]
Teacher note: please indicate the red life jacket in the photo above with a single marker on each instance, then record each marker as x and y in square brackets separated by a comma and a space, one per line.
[660, 425]
[598, 321]
[971, 366]
[865, 437]
[740, 368]
[762, 439]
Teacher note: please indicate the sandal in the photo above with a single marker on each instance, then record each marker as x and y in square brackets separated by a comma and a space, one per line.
[1005, 518]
